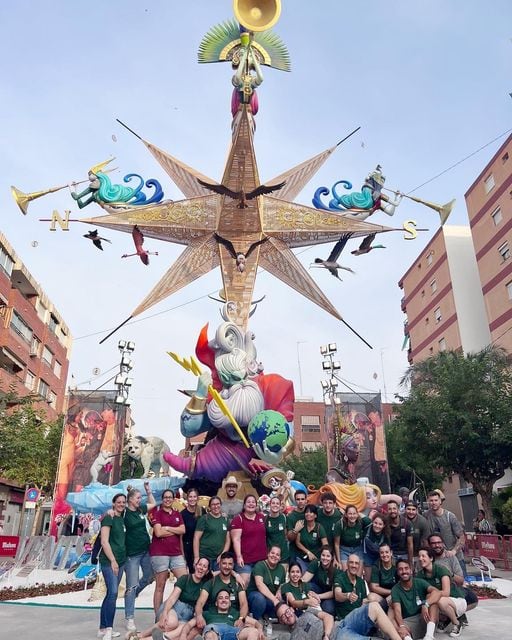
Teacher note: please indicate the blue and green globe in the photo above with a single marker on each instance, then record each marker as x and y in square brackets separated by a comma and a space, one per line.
[269, 427]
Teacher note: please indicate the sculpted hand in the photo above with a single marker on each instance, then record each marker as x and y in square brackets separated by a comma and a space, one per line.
[268, 456]
[203, 382]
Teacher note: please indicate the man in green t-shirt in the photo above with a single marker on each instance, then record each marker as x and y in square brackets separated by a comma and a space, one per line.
[414, 605]
[295, 522]
[328, 516]
[349, 588]
[224, 581]
[222, 622]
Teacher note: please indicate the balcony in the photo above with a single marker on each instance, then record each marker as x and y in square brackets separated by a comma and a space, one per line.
[20, 281]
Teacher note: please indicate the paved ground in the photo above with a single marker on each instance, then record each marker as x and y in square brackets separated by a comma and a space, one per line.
[491, 619]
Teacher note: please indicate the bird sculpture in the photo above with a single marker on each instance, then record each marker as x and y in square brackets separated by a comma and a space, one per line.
[366, 246]
[96, 239]
[222, 190]
[138, 239]
[240, 257]
[331, 263]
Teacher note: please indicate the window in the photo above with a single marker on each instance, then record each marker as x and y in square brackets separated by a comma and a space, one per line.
[423, 293]
[426, 320]
[311, 446]
[57, 368]
[433, 286]
[21, 328]
[47, 356]
[6, 262]
[310, 424]
[43, 389]
[442, 344]
[52, 400]
[30, 381]
[489, 183]
[497, 216]
[430, 258]
[504, 157]
[41, 310]
[437, 314]
[504, 251]
[35, 347]
[53, 324]
[509, 289]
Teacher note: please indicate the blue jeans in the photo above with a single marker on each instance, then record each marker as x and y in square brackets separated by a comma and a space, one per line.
[327, 605]
[108, 606]
[259, 605]
[356, 626]
[134, 583]
[224, 631]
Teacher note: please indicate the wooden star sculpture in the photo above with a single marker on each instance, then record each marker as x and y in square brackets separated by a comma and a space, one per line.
[264, 231]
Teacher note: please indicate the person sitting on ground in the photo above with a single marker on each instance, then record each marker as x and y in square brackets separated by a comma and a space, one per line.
[452, 603]
[384, 576]
[320, 573]
[436, 543]
[223, 622]
[349, 588]
[224, 580]
[415, 611]
[264, 591]
[179, 607]
[297, 594]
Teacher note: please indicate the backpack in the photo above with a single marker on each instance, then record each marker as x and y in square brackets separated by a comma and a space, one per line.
[96, 549]
[307, 627]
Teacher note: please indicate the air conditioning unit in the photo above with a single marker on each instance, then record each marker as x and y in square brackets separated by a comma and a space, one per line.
[33, 352]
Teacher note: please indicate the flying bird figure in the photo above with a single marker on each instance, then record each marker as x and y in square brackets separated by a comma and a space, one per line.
[222, 190]
[331, 263]
[96, 239]
[138, 239]
[366, 246]
[239, 256]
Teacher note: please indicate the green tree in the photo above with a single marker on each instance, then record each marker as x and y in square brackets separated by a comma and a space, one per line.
[309, 467]
[407, 467]
[458, 416]
[29, 445]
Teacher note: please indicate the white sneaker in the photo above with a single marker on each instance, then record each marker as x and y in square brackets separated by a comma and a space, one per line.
[130, 624]
[113, 634]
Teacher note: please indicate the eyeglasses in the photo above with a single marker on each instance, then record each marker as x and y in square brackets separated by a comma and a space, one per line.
[286, 613]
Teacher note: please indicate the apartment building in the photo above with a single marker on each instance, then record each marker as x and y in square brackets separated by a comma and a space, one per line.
[489, 205]
[35, 342]
[443, 297]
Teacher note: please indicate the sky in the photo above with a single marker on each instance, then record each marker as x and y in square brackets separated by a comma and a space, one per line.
[428, 82]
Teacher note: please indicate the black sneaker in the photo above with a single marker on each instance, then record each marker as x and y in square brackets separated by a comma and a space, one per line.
[442, 624]
[456, 631]
[463, 619]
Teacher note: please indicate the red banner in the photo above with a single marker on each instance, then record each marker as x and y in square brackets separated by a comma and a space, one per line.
[9, 545]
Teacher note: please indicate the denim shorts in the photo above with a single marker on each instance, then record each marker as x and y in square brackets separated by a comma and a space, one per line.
[223, 631]
[345, 552]
[247, 568]
[164, 563]
[184, 612]
[356, 622]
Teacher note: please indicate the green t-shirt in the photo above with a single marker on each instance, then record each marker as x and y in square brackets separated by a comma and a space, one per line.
[211, 543]
[329, 523]
[272, 578]
[212, 616]
[137, 536]
[190, 589]
[216, 584]
[412, 600]
[321, 575]
[276, 535]
[117, 540]
[385, 578]
[291, 520]
[342, 581]
[352, 536]
[312, 540]
[298, 593]
[438, 571]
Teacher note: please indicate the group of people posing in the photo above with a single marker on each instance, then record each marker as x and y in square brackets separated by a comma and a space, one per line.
[319, 570]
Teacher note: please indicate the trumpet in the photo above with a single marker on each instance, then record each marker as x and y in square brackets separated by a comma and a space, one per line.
[443, 210]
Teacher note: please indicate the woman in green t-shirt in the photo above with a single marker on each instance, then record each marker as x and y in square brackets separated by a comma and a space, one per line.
[452, 603]
[211, 536]
[320, 573]
[310, 538]
[275, 525]
[137, 549]
[348, 537]
[112, 559]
